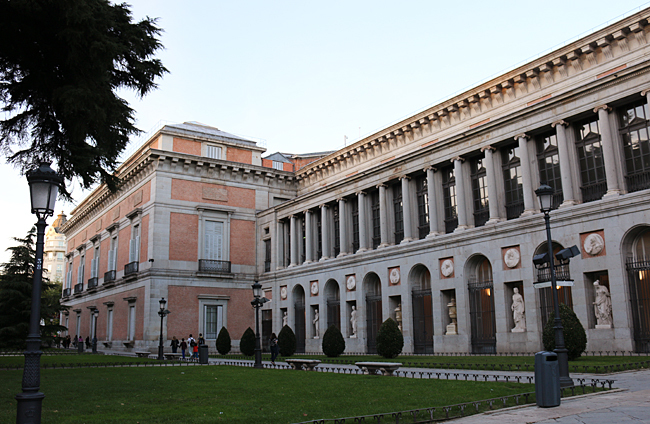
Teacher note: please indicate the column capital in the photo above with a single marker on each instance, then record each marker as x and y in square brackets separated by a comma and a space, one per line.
[490, 148]
[458, 158]
[431, 167]
[381, 185]
[307, 211]
[604, 107]
[343, 199]
[645, 92]
[292, 216]
[522, 135]
[360, 192]
[560, 122]
[404, 177]
[323, 206]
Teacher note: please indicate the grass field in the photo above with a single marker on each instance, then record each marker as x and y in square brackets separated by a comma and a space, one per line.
[230, 394]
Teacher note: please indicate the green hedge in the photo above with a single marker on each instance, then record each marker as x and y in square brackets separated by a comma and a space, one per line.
[247, 342]
[333, 342]
[575, 338]
[389, 339]
[223, 341]
[287, 341]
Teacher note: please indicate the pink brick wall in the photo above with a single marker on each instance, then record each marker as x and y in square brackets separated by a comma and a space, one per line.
[183, 237]
[239, 155]
[192, 191]
[187, 146]
[242, 237]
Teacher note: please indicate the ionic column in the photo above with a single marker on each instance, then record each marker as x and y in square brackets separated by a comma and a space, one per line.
[383, 221]
[363, 231]
[293, 244]
[406, 209]
[646, 93]
[608, 151]
[279, 235]
[565, 163]
[431, 199]
[324, 230]
[309, 238]
[491, 176]
[460, 194]
[527, 183]
[343, 235]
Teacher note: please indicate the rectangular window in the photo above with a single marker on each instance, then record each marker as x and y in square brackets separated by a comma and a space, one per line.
[398, 210]
[112, 254]
[303, 238]
[319, 251]
[337, 229]
[213, 315]
[59, 256]
[267, 255]
[636, 147]
[81, 269]
[449, 197]
[287, 253]
[422, 194]
[213, 152]
[68, 277]
[94, 263]
[590, 159]
[548, 161]
[376, 219]
[278, 165]
[131, 328]
[479, 192]
[513, 182]
[354, 206]
[134, 244]
[213, 240]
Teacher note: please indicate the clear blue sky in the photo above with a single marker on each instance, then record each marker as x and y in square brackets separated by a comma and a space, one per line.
[302, 75]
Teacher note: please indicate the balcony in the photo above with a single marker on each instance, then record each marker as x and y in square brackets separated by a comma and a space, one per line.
[561, 273]
[638, 181]
[109, 277]
[78, 288]
[214, 266]
[130, 268]
[66, 292]
[92, 283]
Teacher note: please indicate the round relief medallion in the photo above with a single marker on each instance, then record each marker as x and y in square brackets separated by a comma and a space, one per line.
[283, 292]
[447, 267]
[511, 258]
[314, 288]
[394, 276]
[594, 244]
[351, 282]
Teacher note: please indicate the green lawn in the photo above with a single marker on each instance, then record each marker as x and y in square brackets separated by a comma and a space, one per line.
[84, 358]
[231, 394]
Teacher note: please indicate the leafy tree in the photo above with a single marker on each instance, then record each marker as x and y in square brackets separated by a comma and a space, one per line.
[287, 341]
[333, 342]
[16, 296]
[58, 81]
[223, 341]
[389, 339]
[247, 342]
[575, 338]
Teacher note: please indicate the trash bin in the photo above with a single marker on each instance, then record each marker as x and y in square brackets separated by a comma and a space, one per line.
[547, 379]
[80, 347]
[203, 354]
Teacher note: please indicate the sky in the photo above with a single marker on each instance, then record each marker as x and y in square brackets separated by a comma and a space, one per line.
[300, 76]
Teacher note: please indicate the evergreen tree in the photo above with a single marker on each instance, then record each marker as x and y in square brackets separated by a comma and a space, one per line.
[287, 341]
[389, 339]
[247, 342]
[333, 342]
[16, 296]
[59, 77]
[223, 341]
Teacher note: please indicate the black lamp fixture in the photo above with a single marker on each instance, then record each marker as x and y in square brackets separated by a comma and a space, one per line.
[44, 184]
[162, 313]
[257, 302]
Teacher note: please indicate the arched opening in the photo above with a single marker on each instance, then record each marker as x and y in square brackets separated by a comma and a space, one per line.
[422, 307]
[481, 306]
[543, 273]
[637, 266]
[332, 294]
[372, 288]
[299, 317]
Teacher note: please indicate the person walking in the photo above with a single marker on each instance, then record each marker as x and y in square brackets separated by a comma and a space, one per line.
[275, 348]
[194, 346]
[183, 347]
[174, 344]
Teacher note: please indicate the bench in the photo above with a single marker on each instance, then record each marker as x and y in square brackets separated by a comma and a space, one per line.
[142, 354]
[172, 356]
[371, 368]
[303, 364]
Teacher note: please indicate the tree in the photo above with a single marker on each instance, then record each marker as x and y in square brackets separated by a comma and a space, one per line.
[287, 341]
[575, 338]
[333, 342]
[247, 342]
[16, 296]
[58, 81]
[389, 339]
[223, 341]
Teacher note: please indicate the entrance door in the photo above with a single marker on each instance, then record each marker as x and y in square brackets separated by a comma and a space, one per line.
[267, 328]
[299, 308]
[373, 321]
[638, 275]
[481, 298]
[422, 321]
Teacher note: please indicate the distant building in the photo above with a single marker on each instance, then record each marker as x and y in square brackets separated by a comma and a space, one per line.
[54, 250]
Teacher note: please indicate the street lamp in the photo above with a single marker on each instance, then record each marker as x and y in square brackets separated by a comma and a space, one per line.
[44, 186]
[545, 195]
[95, 315]
[162, 313]
[257, 302]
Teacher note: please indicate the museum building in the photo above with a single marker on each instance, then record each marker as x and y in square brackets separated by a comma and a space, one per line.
[432, 221]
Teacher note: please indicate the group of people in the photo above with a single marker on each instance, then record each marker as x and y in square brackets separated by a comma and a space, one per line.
[191, 342]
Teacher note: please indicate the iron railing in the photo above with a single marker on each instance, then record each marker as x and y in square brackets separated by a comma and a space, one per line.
[109, 276]
[92, 283]
[562, 273]
[66, 292]
[131, 268]
[638, 181]
[638, 276]
[215, 266]
[514, 210]
[593, 192]
[481, 216]
[78, 288]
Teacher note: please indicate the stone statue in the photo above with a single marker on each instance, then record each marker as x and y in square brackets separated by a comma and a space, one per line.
[353, 321]
[398, 316]
[315, 322]
[285, 318]
[602, 306]
[452, 328]
[518, 312]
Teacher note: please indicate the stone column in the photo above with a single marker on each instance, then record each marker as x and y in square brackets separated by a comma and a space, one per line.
[609, 155]
[527, 183]
[460, 193]
[343, 235]
[383, 220]
[363, 229]
[431, 199]
[324, 230]
[309, 238]
[406, 209]
[565, 163]
[279, 236]
[293, 243]
[491, 176]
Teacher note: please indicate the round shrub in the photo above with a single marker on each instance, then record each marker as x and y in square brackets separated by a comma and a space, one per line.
[287, 341]
[575, 338]
[247, 342]
[223, 341]
[389, 339]
[333, 342]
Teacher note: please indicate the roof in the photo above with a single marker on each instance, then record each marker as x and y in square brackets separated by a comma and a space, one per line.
[278, 157]
[194, 129]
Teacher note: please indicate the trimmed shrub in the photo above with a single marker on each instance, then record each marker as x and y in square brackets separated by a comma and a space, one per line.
[333, 342]
[287, 341]
[247, 342]
[575, 338]
[223, 341]
[389, 339]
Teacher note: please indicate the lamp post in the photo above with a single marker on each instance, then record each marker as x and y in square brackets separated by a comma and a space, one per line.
[162, 313]
[44, 186]
[257, 302]
[95, 315]
[545, 195]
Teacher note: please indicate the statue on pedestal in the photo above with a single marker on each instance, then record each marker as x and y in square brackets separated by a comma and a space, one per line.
[452, 329]
[602, 306]
[315, 322]
[353, 321]
[518, 312]
[285, 318]
[398, 316]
